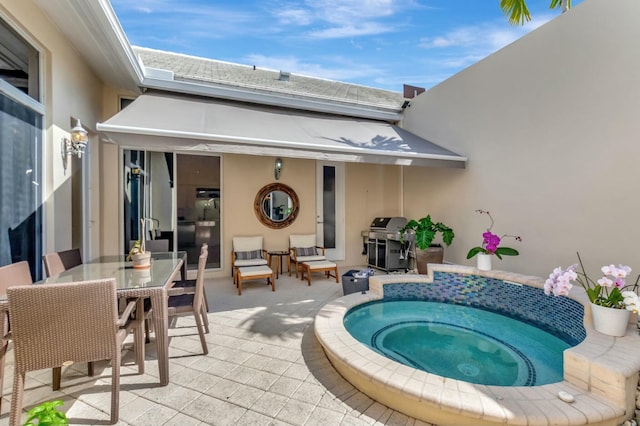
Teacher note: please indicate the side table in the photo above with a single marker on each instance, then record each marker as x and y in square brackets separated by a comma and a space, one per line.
[279, 255]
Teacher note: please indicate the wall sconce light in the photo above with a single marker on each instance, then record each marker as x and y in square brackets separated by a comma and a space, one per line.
[76, 144]
[278, 168]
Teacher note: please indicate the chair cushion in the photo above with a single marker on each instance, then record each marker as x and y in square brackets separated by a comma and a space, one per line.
[245, 255]
[181, 300]
[311, 258]
[320, 264]
[252, 271]
[184, 283]
[249, 262]
[307, 240]
[247, 243]
[306, 251]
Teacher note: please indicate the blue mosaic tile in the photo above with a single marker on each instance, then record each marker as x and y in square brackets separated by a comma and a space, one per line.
[560, 316]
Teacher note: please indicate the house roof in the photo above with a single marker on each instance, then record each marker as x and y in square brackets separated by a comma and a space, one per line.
[209, 71]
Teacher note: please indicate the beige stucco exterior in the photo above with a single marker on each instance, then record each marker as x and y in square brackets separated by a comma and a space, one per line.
[70, 90]
[548, 125]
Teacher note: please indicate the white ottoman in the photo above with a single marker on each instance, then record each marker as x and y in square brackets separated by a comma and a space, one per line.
[319, 266]
[255, 273]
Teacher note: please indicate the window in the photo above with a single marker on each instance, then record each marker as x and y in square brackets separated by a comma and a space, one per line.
[21, 136]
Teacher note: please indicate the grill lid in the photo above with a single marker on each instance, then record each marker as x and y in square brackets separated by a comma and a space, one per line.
[388, 224]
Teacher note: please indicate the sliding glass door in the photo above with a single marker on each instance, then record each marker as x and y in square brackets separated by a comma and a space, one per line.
[174, 197]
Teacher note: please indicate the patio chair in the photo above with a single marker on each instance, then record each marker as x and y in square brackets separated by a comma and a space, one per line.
[190, 301]
[54, 264]
[247, 251]
[154, 246]
[303, 248]
[45, 327]
[57, 262]
[189, 285]
[10, 275]
[192, 284]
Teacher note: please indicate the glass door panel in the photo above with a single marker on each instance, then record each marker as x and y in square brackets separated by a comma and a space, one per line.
[198, 206]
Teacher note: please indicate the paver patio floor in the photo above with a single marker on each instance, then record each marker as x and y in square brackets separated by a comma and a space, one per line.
[264, 367]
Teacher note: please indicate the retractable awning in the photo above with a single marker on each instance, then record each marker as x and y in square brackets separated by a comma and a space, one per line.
[170, 122]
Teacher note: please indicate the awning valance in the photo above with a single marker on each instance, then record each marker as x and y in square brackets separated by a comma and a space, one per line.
[161, 121]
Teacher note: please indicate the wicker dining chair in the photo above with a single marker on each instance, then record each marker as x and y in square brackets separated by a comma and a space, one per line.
[10, 275]
[54, 264]
[185, 301]
[192, 283]
[60, 261]
[44, 322]
[154, 246]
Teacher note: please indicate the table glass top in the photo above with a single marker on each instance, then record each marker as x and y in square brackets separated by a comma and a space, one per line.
[163, 267]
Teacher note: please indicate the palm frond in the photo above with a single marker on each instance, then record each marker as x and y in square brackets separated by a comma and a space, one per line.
[516, 11]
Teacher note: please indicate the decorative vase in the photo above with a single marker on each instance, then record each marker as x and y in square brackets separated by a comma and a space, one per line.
[141, 260]
[484, 261]
[612, 322]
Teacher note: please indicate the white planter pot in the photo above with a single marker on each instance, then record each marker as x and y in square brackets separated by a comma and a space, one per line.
[484, 261]
[610, 321]
[141, 260]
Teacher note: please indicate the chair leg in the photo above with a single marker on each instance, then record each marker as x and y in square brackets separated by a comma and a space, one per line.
[273, 283]
[56, 376]
[147, 339]
[200, 325]
[206, 302]
[16, 399]
[115, 387]
[3, 353]
[205, 318]
[90, 369]
[139, 339]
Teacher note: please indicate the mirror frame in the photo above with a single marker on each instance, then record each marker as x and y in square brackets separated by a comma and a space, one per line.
[266, 220]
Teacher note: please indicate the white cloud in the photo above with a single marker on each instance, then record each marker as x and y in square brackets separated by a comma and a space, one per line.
[364, 29]
[294, 16]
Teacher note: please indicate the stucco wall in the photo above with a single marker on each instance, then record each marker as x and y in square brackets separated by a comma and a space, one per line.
[550, 126]
[70, 89]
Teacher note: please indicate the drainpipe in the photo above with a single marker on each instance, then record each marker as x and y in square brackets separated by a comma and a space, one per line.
[401, 190]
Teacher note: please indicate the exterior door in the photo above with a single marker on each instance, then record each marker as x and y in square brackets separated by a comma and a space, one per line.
[330, 208]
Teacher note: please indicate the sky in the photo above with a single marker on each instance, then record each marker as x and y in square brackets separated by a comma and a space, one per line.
[377, 43]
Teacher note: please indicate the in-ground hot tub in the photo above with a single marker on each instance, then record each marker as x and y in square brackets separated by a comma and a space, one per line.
[603, 387]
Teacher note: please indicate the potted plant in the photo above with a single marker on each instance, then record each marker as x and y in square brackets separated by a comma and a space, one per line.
[610, 306]
[141, 259]
[424, 232]
[491, 246]
[138, 255]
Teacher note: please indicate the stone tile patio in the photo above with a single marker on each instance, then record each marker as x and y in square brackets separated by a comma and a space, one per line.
[264, 367]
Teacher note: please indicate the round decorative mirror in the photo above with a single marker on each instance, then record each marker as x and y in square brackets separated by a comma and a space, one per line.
[276, 205]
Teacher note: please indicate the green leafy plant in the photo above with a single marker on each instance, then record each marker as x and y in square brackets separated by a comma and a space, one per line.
[136, 249]
[425, 230]
[47, 414]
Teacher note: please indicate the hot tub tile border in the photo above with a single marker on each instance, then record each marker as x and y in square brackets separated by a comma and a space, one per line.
[485, 403]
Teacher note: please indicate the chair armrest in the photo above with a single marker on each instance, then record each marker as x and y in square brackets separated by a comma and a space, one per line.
[321, 248]
[176, 291]
[293, 252]
[126, 314]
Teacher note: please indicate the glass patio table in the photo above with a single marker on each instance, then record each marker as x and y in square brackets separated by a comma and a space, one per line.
[151, 282]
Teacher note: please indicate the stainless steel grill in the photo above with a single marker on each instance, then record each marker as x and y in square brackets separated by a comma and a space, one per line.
[384, 250]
